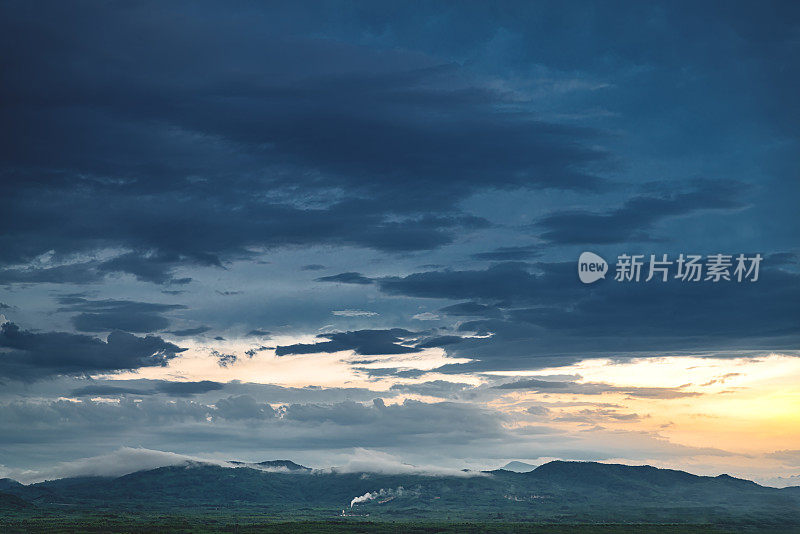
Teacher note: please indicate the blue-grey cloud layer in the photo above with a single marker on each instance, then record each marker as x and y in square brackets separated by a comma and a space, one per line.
[146, 146]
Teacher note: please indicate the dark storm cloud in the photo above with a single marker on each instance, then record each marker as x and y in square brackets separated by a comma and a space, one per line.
[509, 281]
[439, 341]
[32, 356]
[259, 333]
[126, 132]
[106, 390]
[109, 314]
[409, 421]
[186, 389]
[224, 360]
[175, 389]
[509, 253]
[534, 313]
[127, 146]
[470, 309]
[151, 267]
[190, 331]
[346, 278]
[389, 371]
[733, 310]
[206, 391]
[634, 220]
[252, 423]
[364, 342]
[545, 386]
[107, 321]
[782, 259]
[79, 273]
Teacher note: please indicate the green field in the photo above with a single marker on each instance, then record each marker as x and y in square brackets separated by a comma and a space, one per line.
[91, 523]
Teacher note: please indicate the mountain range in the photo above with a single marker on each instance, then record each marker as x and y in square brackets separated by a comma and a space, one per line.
[555, 492]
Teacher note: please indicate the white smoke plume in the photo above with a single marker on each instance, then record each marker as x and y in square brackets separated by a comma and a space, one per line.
[382, 494]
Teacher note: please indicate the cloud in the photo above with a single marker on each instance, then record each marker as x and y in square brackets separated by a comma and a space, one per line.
[107, 390]
[76, 273]
[439, 341]
[538, 410]
[518, 253]
[434, 388]
[383, 143]
[346, 278]
[191, 426]
[206, 391]
[185, 389]
[425, 316]
[506, 282]
[151, 267]
[591, 388]
[224, 360]
[540, 314]
[787, 456]
[190, 331]
[597, 415]
[473, 309]
[259, 333]
[371, 461]
[637, 215]
[32, 356]
[176, 389]
[155, 267]
[780, 259]
[364, 342]
[241, 407]
[110, 314]
[391, 371]
[354, 313]
[123, 461]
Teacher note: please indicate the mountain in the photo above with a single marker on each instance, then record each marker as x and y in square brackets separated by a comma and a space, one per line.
[554, 492]
[273, 464]
[287, 464]
[11, 503]
[518, 467]
[7, 483]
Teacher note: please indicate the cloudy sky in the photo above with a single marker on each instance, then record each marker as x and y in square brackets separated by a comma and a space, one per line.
[348, 232]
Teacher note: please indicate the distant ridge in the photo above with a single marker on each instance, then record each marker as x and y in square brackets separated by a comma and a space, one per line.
[288, 464]
[611, 475]
[8, 483]
[518, 467]
[274, 464]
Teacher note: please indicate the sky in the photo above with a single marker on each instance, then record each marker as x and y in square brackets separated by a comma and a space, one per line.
[347, 234]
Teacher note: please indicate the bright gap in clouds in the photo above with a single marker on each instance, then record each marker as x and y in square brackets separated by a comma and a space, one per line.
[746, 405]
[338, 369]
